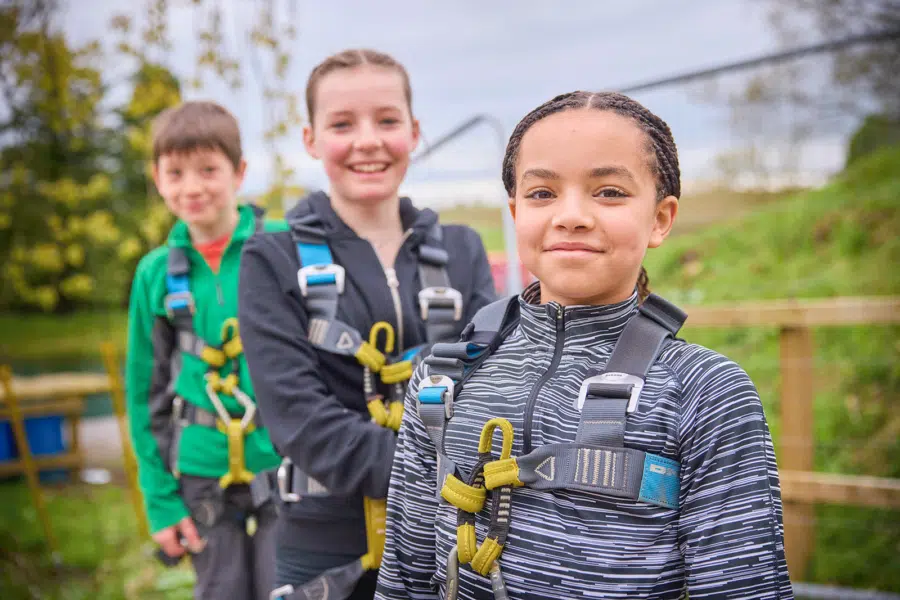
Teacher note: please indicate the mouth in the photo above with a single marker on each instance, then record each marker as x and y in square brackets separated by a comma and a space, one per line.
[573, 248]
[369, 168]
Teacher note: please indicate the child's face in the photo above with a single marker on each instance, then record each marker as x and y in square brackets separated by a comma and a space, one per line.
[362, 132]
[199, 187]
[585, 206]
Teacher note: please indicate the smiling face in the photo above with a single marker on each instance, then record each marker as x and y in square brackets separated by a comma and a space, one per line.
[363, 132]
[200, 187]
[585, 205]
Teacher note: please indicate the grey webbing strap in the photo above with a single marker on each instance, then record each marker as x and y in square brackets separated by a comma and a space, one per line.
[191, 414]
[322, 301]
[440, 305]
[262, 488]
[334, 336]
[608, 470]
[190, 342]
[179, 265]
[334, 584]
[606, 399]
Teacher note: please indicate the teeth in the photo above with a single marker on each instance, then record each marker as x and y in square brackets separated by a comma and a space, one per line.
[370, 167]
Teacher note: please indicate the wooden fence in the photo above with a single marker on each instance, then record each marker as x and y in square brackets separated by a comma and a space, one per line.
[802, 488]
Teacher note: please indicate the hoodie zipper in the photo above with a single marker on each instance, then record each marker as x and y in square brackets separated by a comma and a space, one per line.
[390, 275]
[554, 363]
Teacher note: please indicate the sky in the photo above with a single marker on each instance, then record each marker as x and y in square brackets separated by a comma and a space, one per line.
[497, 57]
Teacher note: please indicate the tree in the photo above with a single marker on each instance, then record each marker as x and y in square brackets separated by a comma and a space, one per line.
[74, 208]
[781, 108]
[259, 50]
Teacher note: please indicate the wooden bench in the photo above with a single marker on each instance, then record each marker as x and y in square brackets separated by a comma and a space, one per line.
[60, 394]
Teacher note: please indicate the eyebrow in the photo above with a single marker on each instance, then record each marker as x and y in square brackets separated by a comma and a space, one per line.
[540, 174]
[607, 171]
[594, 173]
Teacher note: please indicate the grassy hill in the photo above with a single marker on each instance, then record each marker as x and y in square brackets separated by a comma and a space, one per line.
[841, 240]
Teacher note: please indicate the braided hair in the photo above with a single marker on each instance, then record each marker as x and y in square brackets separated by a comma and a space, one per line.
[660, 144]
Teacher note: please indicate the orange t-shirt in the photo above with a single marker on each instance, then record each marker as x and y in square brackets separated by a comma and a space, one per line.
[212, 251]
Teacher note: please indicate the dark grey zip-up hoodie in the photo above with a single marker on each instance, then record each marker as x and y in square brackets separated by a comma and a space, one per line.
[312, 401]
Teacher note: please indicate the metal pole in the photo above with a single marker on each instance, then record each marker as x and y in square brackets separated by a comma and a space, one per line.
[17, 422]
[117, 393]
[513, 267]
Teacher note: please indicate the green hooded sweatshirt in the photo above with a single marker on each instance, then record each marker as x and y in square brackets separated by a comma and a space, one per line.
[152, 351]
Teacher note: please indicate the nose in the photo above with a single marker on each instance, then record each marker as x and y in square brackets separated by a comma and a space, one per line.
[367, 138]
[573, 212]
[192, 184]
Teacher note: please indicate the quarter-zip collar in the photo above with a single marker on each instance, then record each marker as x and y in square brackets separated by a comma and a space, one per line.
[581, 324]
[180, 235]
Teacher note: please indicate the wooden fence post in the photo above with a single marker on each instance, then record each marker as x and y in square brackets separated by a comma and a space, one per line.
[797, 451]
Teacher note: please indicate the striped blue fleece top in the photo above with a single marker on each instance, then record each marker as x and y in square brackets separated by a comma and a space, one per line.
[697, 407]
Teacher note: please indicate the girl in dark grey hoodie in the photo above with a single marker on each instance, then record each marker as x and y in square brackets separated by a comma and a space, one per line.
[332, 314]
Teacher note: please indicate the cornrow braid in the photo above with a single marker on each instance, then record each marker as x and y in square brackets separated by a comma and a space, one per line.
[660, 144]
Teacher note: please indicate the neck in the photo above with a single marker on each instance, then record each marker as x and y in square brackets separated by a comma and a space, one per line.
[214, 231]
[370, 221]
[609, 297]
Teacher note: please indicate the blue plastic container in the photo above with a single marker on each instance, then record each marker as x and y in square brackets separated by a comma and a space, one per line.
[45, 437]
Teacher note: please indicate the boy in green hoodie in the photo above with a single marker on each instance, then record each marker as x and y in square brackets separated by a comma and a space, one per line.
[192, 411]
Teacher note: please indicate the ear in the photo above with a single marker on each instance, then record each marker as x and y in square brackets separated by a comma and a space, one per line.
[154, 173]
[239, 174]
[666, 210]
[309, 141]
[512, 207]
[416, 135]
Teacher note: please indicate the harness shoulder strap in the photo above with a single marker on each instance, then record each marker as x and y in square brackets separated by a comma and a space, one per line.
[599, 461]
[440, 305]
[450, 365]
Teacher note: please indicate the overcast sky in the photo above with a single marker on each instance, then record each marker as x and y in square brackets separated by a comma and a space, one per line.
[501, 57]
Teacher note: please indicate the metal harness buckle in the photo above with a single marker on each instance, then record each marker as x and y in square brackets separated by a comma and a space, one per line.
[308, 272]
[636, 383]
[171, 298]
[440, 296]
[282, 592]
[285, 477]
[435, 381]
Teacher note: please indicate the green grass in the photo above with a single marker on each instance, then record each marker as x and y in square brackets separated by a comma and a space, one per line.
[837, 241]
[102, 556]
[39, 336]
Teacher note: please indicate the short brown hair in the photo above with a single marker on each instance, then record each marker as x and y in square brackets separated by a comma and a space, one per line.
[349, 59]
[194, 125]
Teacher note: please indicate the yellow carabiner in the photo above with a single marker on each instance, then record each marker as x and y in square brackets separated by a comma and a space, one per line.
[378, 328]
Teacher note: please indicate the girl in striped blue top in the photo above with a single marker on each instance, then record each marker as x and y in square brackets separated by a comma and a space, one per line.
[632, 464]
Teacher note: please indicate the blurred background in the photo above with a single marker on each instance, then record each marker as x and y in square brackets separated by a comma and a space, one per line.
[785, 253]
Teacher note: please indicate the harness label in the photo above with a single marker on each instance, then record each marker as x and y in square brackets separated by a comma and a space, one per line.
[345, 342]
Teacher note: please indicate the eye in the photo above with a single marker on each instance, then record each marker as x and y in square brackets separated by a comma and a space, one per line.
[389, 121]
[209, 170]
[611, 192]
[539, 195]
[174, 172]
[339, 125]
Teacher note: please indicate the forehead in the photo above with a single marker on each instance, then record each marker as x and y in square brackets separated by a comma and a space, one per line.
[578, 140]
[199, 154]
[366, 87]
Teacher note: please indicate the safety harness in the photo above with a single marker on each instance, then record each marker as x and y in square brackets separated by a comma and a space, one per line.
[597, 461]
[179, 304]
[321, 283]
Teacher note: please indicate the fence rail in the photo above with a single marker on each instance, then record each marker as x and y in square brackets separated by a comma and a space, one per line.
[802, 488]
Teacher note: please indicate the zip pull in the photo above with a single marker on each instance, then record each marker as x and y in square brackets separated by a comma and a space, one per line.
[391, 276]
